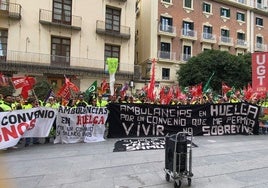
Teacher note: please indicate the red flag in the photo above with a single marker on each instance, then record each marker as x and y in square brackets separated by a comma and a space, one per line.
[150, 93]
[104, 86]
[64, 92]
[29, 83]
[225, 88]
[3, 80]
[71, 85]
[196, 90]
[19, 82]
[248, 92]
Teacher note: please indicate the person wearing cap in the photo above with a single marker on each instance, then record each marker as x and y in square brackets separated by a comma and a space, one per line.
[52, 103]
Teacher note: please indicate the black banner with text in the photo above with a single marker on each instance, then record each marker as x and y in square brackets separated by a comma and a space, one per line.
[149, 120]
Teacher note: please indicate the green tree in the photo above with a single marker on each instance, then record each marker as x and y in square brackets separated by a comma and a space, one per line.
[233, 70]
[42, 89]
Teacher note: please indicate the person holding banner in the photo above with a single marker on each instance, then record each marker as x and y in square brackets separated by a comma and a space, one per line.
[31, 103]
[81, 102]
[6, 106]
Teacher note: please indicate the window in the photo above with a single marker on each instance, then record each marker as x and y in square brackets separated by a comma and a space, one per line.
[259, 21]
[242, 1]
[259, 4]
[188, 4]
[206, 7]
[225, 35]
[62, 11]
[166, 24]
[111, 51]
[188, 28]
[3, 44]
[165, 74]
[207, 32]
[241, 38]
[259, 42]
[4, 5]
[167, 1]
[225, 12]
[112, 19]
[165, 50]
[60, 51]
[240, 16]
[187, 52]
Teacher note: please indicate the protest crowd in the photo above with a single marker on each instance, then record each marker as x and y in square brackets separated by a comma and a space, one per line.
[194, 95]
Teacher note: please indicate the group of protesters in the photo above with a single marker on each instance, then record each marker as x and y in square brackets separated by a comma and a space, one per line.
[10, 103]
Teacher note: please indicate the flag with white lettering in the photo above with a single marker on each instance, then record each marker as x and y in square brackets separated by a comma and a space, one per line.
[259, 69]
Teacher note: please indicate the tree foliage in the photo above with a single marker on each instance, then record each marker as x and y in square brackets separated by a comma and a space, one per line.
[42, 89]
[233, 70]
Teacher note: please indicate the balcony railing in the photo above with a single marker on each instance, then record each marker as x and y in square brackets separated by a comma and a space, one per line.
[188, 34]
[123, 32]
[167, 30]
[208, 37]
[260, 47]
[226, 41]
[47, 17]
[240, 43]
[165, 55]
[11, 10]
[59, 62]
[186, 57]
[260, 6]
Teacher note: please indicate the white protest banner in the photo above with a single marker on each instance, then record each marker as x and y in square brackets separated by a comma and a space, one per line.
[81, 124]
[34, 122]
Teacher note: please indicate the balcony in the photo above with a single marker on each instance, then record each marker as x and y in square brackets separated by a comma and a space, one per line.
[11, 10]
[47, 17]
[260, 6]
[185, 57]
[51, 64]
[259, 47]
[240, 43]
[123, 32]
[165, 56]
[188, 34]
[226, 41]
[167, 30]
[208, 38]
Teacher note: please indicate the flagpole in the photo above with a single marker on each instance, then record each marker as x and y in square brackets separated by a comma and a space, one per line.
[35, 96]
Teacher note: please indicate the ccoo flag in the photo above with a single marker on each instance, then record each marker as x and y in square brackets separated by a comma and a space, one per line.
[92, 89]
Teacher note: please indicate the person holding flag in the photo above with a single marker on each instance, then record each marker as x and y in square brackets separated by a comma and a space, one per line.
[112, 68]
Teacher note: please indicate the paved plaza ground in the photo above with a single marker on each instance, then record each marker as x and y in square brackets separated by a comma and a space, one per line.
[218, 162]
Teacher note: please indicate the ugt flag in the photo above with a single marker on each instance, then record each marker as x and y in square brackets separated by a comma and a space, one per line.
[259, 69]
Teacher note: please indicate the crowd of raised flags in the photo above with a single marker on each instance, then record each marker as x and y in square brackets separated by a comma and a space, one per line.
[196, 94]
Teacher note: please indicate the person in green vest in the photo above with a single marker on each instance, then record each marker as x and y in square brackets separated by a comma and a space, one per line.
[101, 102]
[51, 103]
[6, 105]
[31, 103]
